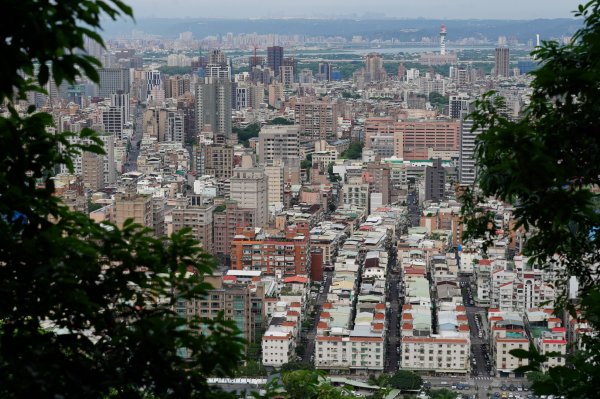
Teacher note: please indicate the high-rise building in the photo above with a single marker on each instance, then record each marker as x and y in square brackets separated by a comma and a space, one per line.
[164, 124]
[226, 220]
[115, 117]
[275, 184]
[242, 97]
[218, 161]
[217, 57]
[467, 169]
[275, 58]
[286, 75]
[255, 61]
[435, 181]
[443, 40]
[459, 106]
[275, 94]
[414, 139]
[238, 302]
[175, 126]
[285, 254]
[113, 80]
[130, 205]
[306, 76]
[379, 178]
[374, 68]
[187, 105]
[324, 71]
[317, 119]
[249, 188]
[257, 96]
[278, 143]
[198, 218]
[379, 136]
[92, 168]
[153, 88]
[213, 102]
[177, 85]
[502, 64]
[113, 120]
[121, 99]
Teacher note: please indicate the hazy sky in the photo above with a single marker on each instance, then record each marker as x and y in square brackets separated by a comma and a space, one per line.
[442, 9]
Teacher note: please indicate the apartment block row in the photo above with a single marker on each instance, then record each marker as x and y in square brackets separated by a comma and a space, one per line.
[435, 333]
[353, 325]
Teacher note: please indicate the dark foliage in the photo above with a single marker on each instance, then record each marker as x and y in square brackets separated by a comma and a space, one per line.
[547, 164]
[88, 310]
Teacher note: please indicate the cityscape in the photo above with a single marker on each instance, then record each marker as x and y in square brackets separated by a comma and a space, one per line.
[323, 173]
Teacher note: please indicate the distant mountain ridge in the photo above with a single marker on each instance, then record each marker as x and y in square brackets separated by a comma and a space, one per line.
[404, 29]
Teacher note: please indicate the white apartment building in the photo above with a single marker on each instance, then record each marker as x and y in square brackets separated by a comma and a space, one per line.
[436, 353]
[275, 177]
[356, 194]
[348, 352]
[507, 332]
[553, 341]
[249, 187]
[278, 348]
[277, 142]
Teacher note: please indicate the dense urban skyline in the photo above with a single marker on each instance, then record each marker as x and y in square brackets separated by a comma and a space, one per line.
[460, 9]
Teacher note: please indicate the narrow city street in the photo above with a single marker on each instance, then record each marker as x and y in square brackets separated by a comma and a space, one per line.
[394, 311]
[309, 348]
[480, 364]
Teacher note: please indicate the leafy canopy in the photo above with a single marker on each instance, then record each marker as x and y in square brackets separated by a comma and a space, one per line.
[547, 165]
[405, 380]
[87, 310]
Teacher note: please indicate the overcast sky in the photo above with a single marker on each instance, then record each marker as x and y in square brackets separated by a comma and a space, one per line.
[434, 9]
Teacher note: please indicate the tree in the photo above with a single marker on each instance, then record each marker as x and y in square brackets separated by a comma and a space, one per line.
[547, 165]
[405, 380]
[354, 151]
[245, 134]
[303, 384]
[307, 162]
[293, 366]
[280, 121]
[252, 368]
[88, 310]
[442, 394]
[333, 177]
[437, 100]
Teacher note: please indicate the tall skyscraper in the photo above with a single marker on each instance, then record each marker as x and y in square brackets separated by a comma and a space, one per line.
[175, 126]
[467, 171]
[213, 102]
[435, 181]
[275, 58]
[317, 119]
[443, 40]
[459, 106]
[154, 92]
[113, 120]
[278, 143]
[249, 188]
[502, 62]
[374, 67]
[113, 80]
[324, 73]
[216, 56]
